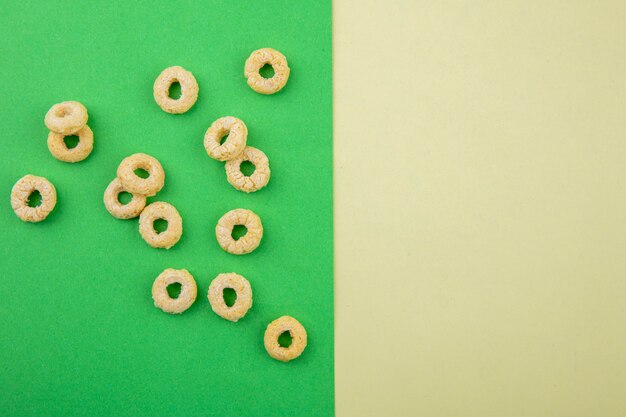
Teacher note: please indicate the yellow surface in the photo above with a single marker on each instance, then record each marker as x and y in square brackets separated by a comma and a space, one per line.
[480, 174]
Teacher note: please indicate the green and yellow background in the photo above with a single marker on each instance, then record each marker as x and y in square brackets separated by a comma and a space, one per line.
[479, 179]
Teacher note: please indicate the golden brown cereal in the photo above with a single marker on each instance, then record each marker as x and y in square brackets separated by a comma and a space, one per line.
[248, 242]
[256, 61]
[188, 290]
[66, 118]
[259, 178]
[188, 89]
[20, 195]
[156, 211]
[237, 132]
[242, 288]
[298, 338]
[60, 151]
[118, 210]
[134, 183]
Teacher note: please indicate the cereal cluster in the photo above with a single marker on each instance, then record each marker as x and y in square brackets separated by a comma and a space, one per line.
[67, 119]
[128, 180]
[234, 312]
[226, 141]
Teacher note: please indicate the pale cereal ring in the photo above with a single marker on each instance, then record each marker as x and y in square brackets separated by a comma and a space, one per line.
[237, 132]
[66, 118]
[156, 211]
[259, 178]
[298, 338]
[188, 290]
[60, 151]
[188, 90]
[256, 61]
[248, 242]
[134, 183]
[118, 210]
[242, 288]
[20, 195]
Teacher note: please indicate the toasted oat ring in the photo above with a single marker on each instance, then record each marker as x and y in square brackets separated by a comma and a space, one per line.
[156, 211]
[259, 178]
[242, 288]
[60, 151]
[66, 118]
[134, 183]
[188, 90]
[188, 290]
[248, 242]
[118, 210]
[256, 61]
[278, 327]
[237, 132]
[21, 192]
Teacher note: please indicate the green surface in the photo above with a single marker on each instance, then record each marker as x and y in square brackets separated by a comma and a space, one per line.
[79, 334]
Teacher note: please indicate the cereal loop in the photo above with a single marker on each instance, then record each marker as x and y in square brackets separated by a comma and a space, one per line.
[156, 211]
[237, 132]
[243, 301]
[188, 89]
[259, 178]
[66, 118]
[134, 183]
[298, 338]
[248, 242]
[256, 61]
[118, 210]
[20, 195]
[188, 290]
[60, 151]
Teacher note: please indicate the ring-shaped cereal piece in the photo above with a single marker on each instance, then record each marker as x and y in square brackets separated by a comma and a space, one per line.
[242, 288]
[118, 210]
[259, 178]
[60, 151]
[66, 118]
[21, 192]
[188, 90]
[298, 338]
[248, 242]
[160, 210]
[134, 183]
[188, 290]
[256, 61]
[237, 132]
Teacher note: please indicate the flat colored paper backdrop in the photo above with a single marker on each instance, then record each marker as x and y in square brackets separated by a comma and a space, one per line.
[79, 334]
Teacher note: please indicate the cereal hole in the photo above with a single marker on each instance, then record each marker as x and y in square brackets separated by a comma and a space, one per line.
[142, 173]
[239, 231]
[230, 296]
[34, 199]
[175, 91]
[160, 225]
[124, 197]
[173, 290]
[71, 141]
[247, 168]
[267, 71]
[62, 111]
[284, 340]
[224, 138]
